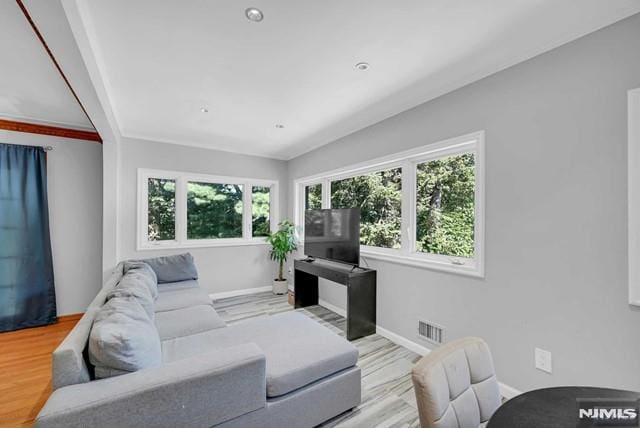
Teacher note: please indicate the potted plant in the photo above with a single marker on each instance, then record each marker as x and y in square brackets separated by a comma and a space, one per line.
[283, 242]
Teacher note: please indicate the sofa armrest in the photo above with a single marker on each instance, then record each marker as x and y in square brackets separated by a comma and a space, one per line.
[204, 390]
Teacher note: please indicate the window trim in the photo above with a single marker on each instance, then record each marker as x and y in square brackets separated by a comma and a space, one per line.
[182, 178]
[408, 161]
[633, 195]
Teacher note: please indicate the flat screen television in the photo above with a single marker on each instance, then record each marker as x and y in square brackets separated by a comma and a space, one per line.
[333, 235]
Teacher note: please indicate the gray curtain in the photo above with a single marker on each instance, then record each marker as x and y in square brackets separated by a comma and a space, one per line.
[27, 295]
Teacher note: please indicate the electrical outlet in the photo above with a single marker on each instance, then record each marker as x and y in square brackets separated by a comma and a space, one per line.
[542, 360]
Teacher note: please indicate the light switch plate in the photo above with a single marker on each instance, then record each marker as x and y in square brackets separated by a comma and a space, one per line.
[542, 360]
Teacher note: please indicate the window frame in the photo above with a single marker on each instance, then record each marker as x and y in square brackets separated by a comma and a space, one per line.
[408, 161]
[633, 195]
[181, 179]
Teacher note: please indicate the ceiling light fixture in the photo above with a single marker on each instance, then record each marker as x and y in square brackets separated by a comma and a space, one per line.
[204, 110]
[279, 125]
[254, 14]
[363, 66]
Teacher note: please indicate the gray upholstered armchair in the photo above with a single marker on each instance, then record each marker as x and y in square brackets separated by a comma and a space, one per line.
[456, 385]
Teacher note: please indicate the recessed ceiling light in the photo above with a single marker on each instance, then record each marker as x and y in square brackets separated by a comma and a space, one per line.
[204, 110]
[254, 14]
[279, 125]
[363, 66]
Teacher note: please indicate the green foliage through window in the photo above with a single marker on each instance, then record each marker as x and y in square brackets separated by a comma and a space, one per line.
[445, 200]
[313, 197]
[260, 204]
[379, 197]
[214, 210]
[161, 209]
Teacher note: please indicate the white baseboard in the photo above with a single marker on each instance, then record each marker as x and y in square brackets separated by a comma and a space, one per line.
[507, 391]
[402, 341]
[243, 292]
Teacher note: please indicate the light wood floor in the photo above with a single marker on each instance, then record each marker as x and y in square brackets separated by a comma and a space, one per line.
[25, 370]
[388, 399]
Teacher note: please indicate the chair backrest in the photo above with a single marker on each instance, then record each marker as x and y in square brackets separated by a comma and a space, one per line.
[456, 385]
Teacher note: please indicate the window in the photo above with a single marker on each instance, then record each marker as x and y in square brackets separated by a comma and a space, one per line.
[180, 210]
[313, 197]
[260, 205]
[379, 197]
[162, 209]
[445, 200]
[422, 207]
[214, 211]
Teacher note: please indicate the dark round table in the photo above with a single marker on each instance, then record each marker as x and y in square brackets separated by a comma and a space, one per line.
[551, 407]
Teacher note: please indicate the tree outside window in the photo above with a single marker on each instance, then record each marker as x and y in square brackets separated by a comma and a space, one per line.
[445, 206]
[260, 205]
[161, 204]
[379, 197]
[214, 211]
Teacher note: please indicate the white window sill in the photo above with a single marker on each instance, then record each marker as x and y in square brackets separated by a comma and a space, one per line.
[168, 245]
[471, 269]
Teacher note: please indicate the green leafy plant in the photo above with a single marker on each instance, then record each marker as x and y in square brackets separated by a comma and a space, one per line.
[283, 242]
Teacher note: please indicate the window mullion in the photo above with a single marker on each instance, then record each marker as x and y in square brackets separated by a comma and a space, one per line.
[143, 209]
[326, 193]
[181, 209]
[408, 207]
[274, 209]
[247, 213]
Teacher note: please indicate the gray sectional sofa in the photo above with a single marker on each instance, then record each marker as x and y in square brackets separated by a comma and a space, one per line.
[284, 370]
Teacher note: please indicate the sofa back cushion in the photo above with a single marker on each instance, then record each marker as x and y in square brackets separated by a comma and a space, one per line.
[135, 290]
[69, 366]
[143, 273]
[179, 267]
[131, 285]
[123, 338]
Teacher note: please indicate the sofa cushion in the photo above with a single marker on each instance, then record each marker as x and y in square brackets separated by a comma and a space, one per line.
[173, 299]
[298, 350]
[186, 321]
[132, 286]
[123, 338]
[179, 267]
[179, 285]
[143, 273]
[70, 364]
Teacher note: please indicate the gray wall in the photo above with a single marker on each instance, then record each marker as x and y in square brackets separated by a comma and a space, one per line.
[74, 170]
[221, 269]
[556, 135]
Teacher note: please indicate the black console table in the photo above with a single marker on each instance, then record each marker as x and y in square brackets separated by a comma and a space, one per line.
[361, 292]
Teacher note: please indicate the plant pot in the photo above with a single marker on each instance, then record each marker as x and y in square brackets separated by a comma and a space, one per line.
[280, 287]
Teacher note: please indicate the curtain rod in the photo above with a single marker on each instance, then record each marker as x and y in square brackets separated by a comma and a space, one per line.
[47, 148]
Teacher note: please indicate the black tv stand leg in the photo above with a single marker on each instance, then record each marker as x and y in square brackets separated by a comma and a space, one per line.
[306, 289]
[361, 307]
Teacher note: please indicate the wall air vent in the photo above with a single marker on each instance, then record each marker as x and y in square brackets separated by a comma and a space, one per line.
[430, 332]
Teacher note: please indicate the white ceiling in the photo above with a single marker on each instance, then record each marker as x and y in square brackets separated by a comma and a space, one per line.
[161, 61]
[31, 88]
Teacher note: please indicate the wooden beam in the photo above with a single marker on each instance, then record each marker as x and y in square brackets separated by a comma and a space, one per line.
[55, 131]
[26, 14]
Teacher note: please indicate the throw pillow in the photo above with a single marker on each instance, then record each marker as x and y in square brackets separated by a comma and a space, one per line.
[180, 267]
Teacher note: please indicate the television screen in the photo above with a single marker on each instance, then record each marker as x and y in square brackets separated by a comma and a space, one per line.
[333, 234]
